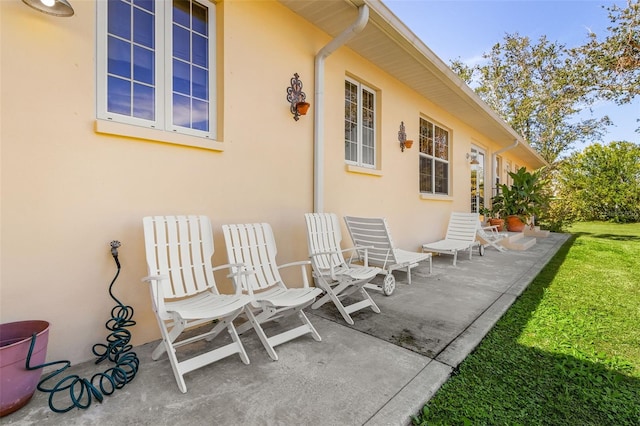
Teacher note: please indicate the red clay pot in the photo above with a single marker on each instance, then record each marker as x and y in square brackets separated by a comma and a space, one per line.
[514, 224]
[498, 222]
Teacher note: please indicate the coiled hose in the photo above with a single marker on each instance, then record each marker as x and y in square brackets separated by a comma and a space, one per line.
[117, 350]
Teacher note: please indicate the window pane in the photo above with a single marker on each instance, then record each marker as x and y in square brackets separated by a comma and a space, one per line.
[181, 43]
[441, 178]
[181, 111]
[143, 25]
[351, 122]
[426, 174]
[200, 115]
[143, 102]
[190, 68]
[200, 52]
[181, 12]
[143, 69]
[119, 96]
[368, 147]
[181, 77]
[350, 151]
[200, 19]
[441, 143]
[145, 4]
[118, 57]
[426, 137]
[119, 19]
[200, 82]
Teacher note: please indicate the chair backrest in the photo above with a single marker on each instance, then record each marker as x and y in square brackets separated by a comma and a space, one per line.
[324, 235]
[180, 247]
[254, 246]
[462, 227]
[373, 233]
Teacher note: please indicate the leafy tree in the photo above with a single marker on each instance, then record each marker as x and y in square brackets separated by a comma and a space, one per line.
[541, 88]
[614, 63]
[600, 183]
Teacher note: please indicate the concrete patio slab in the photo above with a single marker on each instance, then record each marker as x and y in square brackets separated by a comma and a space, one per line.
[379, 371]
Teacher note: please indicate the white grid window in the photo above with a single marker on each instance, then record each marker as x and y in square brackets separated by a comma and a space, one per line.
[434, 159]
[359, 124]
[156, 64]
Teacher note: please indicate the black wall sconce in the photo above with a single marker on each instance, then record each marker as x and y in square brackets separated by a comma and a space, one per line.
[297, 98]
[402, 137]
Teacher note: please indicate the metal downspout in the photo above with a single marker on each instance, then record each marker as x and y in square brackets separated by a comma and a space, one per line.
[318, 132]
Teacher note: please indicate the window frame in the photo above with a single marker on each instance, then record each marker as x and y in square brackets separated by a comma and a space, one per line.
[163, 69]
[422, 156]
[359, 162]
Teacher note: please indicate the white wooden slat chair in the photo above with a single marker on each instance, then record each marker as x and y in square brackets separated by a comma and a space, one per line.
[254, 246]
[184, 294]
[331, 272]
[374, 234]
[490, 236]
[461, 235]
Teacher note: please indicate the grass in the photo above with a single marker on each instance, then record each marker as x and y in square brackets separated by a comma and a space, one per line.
[567, 352]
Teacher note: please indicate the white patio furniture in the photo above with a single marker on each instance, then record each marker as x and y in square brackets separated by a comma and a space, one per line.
[490, 236]
[461, 235]
[184, 294]
[331, 272]
[374, 234]
[254, 246]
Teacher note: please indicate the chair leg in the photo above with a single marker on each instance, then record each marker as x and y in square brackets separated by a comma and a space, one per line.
[455, 257]
[234, 336]
[366, 295]
[261, 334]
[312, 329]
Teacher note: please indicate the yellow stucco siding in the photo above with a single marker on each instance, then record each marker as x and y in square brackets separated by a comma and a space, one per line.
[67, 190]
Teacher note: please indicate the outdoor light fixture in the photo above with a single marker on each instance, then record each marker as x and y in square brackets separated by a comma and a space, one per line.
[297, 98]
[474, 159]
[51, 7]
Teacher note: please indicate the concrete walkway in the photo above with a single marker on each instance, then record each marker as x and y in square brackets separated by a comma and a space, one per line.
[378, 372]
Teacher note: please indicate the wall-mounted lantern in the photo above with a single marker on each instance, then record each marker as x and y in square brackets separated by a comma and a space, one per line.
[297, 98]
[51, 7]
[474, 158]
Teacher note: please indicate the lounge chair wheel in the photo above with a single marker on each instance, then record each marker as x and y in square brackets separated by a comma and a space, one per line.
[389, 284]
[481, 250]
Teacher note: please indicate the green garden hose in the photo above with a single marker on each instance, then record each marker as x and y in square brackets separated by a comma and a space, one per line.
[117, 350]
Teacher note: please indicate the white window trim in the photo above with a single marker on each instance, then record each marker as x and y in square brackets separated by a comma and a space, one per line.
[163, 122]
[437, 195]
[359, 163]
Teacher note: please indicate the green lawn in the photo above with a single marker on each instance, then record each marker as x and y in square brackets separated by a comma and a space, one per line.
[567, 352]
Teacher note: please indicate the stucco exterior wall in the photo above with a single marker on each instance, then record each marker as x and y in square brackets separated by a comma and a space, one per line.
[67, 191]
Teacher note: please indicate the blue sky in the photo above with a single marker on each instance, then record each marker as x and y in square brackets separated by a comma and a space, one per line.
[466, 29]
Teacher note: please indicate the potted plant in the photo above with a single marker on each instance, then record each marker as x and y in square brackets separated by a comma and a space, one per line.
[491, 217]
[523, 200]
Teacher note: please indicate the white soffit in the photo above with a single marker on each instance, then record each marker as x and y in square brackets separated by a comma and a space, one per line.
[389, 44]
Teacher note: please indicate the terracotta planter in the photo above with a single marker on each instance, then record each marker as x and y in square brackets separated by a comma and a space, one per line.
[408, 143]
[302, 107]
[514, 224]
[17, 384]
[498, 222]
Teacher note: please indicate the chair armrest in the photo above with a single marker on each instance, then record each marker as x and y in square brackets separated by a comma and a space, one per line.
[241, 272]
[157, 292]
[331, 265]
[355, 249]
[302, 264]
